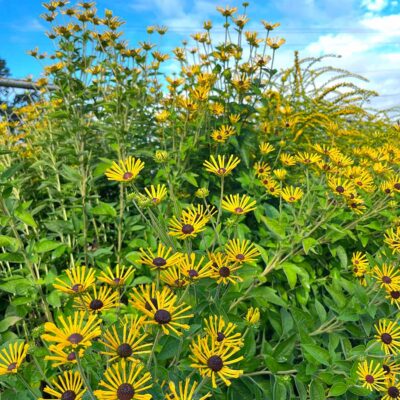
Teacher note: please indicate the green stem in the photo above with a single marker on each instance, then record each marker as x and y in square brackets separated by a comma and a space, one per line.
[84, 377]
[153, 348]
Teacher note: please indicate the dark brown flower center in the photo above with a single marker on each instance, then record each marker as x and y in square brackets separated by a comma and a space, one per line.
[340, 189]
[187, 229]
[127, 175]
[162, 317]
[224, 272]
[159, 262]
[386, 369]
[96, 304]
[124, 350]
[240, 257]
[76, 287]
[125, 391]
[393, 392]
[238, 210]
[291, 198]
[75, 338]
[395, 294]
[215, 363]
[71, 356]
[12, 366]
[148, 305]
[220, 337]
[386, 279]
[117, 281]
[68, 395]
[221, 171]
[369, 378]
[193, 273]
[397, 186]
[219, 137]
[387, 191]
[386, 338]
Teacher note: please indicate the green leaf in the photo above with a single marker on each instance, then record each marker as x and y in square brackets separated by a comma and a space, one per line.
[104, 209]
[318, 353]
[341, 253]
[265, 295]
[7, 322]
[46, 245]
[338, 389]
[290, 272]
[25, 217]
[9, 242]
[191, 178]
[277, 229]
[317, 391]
[308, 244]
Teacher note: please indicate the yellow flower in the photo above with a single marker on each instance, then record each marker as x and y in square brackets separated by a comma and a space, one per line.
[227, 11]
[241, 251]
[237, 205]
[185, 391]
[223, 271]
[392, 390]
[393, 296]
[356, 204]
[392, 239]
[214, 361]
[253, 315]
[124, 380]
[340, 186]
[266, 148]
[291, 194]
[275, 43]
[280, 173]
[127, 342]
[161, 308]
[160, 156]
[126, 170]
[74, 331]
[103, 299]
[162, 259]
[173, 277]
[388, 334]
[219, 167]
[188, 225]
[222, 332]
[12, 357]
[156, 193]
[234, 118]
[80, 279]
[117, 278]
[388, 277]
[360, 263]
[69, 385]
[308, 158]
[287, 159]
[223, 133]
[371, 376]
[262, 169]
[61, 357]
[193, 269]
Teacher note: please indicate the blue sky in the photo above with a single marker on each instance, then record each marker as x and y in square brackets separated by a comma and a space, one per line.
[365, 32]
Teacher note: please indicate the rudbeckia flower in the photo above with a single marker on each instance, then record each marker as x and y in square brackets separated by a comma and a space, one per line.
[392, 239]
[69, 385]
[161, 259]
[220, 166]
[223, 271]
[125, 171]
[291, 194]
[80, 279]
[241, 251]
[117, 278]
[388, 334]
[11, 357]
[184, 391]
[222, 332]
[62, 356]
[194, 268]
[100, 300]
[237, 205]
[371, 375]
[156, 194]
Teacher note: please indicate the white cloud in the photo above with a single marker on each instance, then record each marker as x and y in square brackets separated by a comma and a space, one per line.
[375, 5]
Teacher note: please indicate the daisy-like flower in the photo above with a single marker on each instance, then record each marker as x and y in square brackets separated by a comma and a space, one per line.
[193, 269]
[74, 332]
[223, 133]
[184, 391]
[371, 375]
[117, 278]
[360, 263]
[223, 270]
[262, 169]
[266, 148]
[392, 390]
[237, 205]
[341, 160]
[156, 194]
[125, 171]
[393, 296]
[391, 368]
[219, 166]
[388, 277]
[79, 280]
[308, 158]
[324, 149]
[386, 188]
[11, 357]
[271, 186]
[340, 186]
[161, 259]
[291, 194]
[163, 309]
[62, 357]
[126, 343]
[214, 361]
[253, 316]
[173, 277]
[392, 239]
[100, 300]
[364, 181]
[388, 334]
[280, 173]
[67, 386]
[188, 225]
[222, 332]
[287, 159]
[227, 11]
[241, 251]
[356, 204]
[124, 381]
